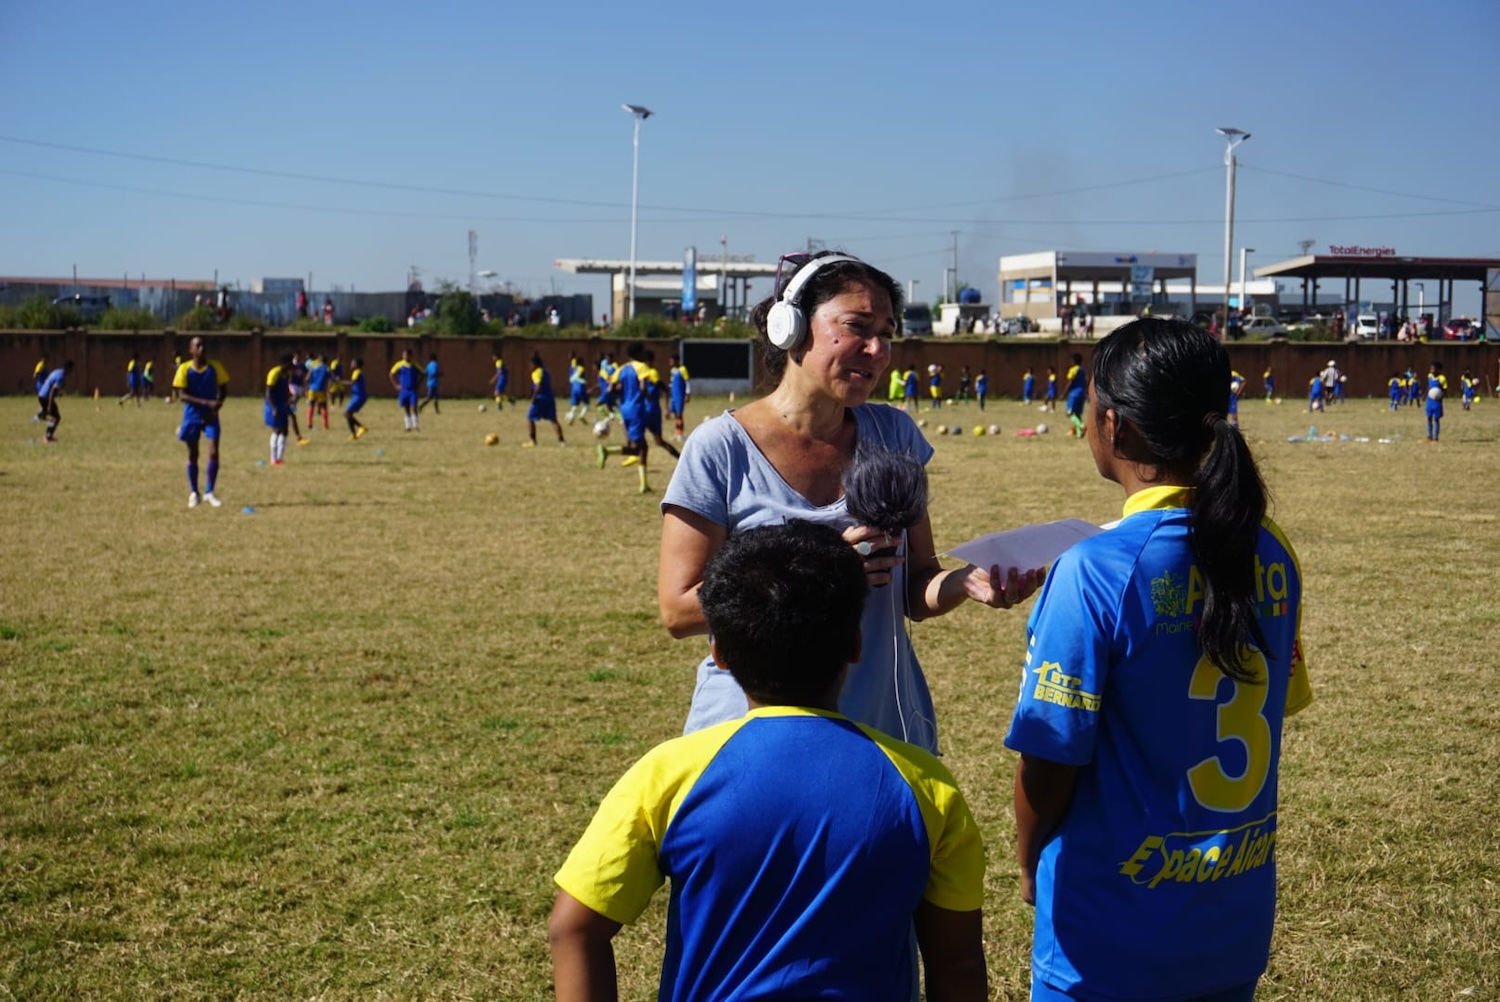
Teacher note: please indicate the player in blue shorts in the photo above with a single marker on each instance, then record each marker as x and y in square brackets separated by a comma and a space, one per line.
[681, 391]
[278, 406]
[432, 373]
[609, 390]
[1314, 394]
[404, 376]
[630, 383]
[502, 382]
[909, 391]
[201, 384]
[135, 382]
[1437, 389]
[1470, 386]
[981, 387]
[578, 390]
[1268, 381]
[543, 402]
[1162, 658]
[39, 376]
[655, 390]
[357, 398]
[1236, 386]
[1078, 388]
[1394, 389]
[148, 378]
[46, 397]
[1049, 398]
[1028, 387]
[802, 849]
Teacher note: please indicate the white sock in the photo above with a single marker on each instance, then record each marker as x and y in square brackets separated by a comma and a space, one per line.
[273, 447]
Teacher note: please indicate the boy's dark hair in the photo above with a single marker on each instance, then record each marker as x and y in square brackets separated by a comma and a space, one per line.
[783, 603]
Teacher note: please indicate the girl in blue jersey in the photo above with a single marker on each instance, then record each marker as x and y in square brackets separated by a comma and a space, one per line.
[1078, 381]
[502, 382]
[677, 400]
[543, 402]
[578, 390]
[1437, 389]
[981, 388]
[201, 384]
[1162, 658]
[357, 397]
[404, 376]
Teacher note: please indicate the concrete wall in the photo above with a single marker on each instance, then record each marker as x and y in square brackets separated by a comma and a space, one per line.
[468, 367]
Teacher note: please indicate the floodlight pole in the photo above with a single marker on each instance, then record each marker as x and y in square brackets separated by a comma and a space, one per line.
[1245, 253]
[1233, 137]
[641, 114]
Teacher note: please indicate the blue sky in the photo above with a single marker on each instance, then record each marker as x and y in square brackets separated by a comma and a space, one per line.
[369, 138]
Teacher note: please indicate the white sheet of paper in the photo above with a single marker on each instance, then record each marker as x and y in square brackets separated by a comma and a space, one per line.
[1027, 547]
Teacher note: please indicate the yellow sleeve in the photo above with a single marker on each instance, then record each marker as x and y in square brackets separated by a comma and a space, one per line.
[271, 376]
[955, 881]
[220, 373]
[179, 380]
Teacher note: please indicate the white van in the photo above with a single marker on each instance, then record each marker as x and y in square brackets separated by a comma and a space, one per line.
[916, 320]
[1367, 326]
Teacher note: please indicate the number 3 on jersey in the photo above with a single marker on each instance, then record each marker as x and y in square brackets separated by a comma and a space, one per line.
[1241, 719]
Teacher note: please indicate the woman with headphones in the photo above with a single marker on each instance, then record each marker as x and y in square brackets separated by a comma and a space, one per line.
[826, 341]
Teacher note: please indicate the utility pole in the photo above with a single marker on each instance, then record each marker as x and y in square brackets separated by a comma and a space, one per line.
[954, 297]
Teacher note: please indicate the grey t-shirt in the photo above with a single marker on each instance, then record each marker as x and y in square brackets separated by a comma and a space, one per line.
[723, 477]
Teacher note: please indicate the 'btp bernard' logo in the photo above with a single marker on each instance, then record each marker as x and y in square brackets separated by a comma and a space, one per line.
[1056, 687]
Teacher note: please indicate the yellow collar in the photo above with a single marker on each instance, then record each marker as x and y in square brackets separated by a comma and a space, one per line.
[1169, 496]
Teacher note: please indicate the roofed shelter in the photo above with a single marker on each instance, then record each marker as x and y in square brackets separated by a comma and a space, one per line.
[1038, 285]
[723, 281]
[1385, 270]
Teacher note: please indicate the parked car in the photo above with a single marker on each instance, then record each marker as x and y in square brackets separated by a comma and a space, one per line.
[1263, 327]
[1460, 329]
[1367, 326]
[916, 320]
[88, 307]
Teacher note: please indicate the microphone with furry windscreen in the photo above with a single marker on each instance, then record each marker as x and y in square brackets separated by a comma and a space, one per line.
[886, 490]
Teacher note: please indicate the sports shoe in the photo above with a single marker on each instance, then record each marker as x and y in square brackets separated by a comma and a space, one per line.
[304, 441]
[528, 444]
[209, 497]
[630, 460]
[600, 455]
[360, 431]
[193, 499]
[278, 462]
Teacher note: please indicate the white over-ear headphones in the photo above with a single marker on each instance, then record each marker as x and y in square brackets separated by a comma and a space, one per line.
[786, 324]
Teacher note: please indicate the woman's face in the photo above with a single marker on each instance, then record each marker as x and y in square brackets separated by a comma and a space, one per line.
[849, 342]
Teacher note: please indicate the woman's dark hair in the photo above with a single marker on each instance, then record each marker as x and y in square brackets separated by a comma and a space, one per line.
[1170, 380]
[783, 603]
[819, 289]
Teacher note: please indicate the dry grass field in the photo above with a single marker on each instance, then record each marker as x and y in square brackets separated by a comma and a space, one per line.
[335, 747]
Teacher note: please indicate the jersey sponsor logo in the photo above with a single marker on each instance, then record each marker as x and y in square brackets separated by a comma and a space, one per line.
[1054, 686]
[1202, 857]
[1179, 602]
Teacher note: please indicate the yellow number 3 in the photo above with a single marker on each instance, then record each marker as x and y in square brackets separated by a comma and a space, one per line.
[1240, 719]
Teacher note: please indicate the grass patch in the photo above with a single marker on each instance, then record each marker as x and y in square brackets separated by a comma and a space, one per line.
[336, 749]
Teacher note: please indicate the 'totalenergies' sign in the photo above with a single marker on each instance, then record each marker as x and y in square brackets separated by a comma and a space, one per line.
[1350, 250]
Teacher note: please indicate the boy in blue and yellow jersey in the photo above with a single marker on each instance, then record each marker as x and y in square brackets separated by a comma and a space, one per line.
[1437, 389]
[578, 390]
[802, 849]
[1470, 386]
[681, 391]
[278, 406]
[46, 397]
[201, 384]
[336, 382]
[1393, 385]
[1049, 395]
[1236, 386]
[319, 379]
[1078, 389]
[1028, 387]
[609, 390]
[148, 378]
[501, 383]
[655, 390]
[630, 382]
[432, 373]
[935, 385]
[357, 398]
[981, 388]
[404, 376]
[1314, 394]
[909, 390]
[135, 384]
[1270, 383]
[543, 402]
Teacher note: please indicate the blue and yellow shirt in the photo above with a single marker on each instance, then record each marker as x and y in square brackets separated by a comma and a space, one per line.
[541, 385]
[278, 395]
[798, 845]
[1173, 821]
[202, 383]
[405, 374]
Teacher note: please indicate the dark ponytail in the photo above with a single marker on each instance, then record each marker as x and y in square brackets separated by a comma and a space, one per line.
[1170, 380]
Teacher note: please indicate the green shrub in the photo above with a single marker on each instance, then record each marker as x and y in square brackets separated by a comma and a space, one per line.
[119, 319]
[199, 318]
[243, 322]
[457, 313]
[309, 324]
[375, 325]
[38, 313]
